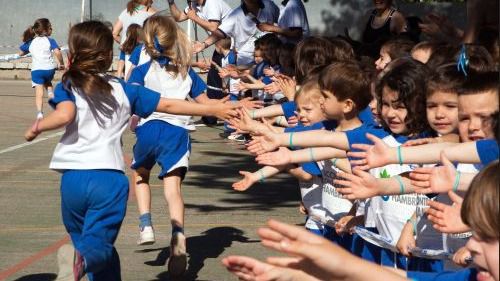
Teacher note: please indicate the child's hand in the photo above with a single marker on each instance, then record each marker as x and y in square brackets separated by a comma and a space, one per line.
[266, 143]
[420, 142]
[242, 86]
[462, 257]
[371, 156]
[439, 179]
[225, 111]
[302, 209]
[248, 180]
[243, 122]
[293, 121]
[248, 103]
[272, 88]
[355, 221]
[32, 132]
[406, 241]
[280, 157]
[358, 185]
[269, 71]
[446, 218]
[287, 86]
[340, 226]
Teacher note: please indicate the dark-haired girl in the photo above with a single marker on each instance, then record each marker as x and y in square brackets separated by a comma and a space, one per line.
[134, 34]
[36, 41]
[94, 109]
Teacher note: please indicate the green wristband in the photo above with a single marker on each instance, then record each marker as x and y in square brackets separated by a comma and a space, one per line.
[291, 140]
[414, 223]
[311, 153]
[457, 181]
[334, 160]
[401, 184]
[253, 114]
[261, 180]
[400, 158]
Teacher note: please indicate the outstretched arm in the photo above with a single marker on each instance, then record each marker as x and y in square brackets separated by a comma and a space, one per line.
[63, 115]
[177, 14]
[181, 107]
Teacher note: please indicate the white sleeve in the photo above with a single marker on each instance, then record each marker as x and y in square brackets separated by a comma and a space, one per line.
[227, 25]
[293, 17]
[213, 12]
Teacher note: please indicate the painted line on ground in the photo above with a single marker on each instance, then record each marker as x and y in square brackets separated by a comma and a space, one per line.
[32, 259]
[16, 147]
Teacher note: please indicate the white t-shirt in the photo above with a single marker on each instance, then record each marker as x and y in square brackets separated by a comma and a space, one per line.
[331, 200]
[137, 17]
[85, 145]
[152, 76]
[212, 10]
[294, 15]
[310, 192]
[390, 213]
[241, 25]
[41, 52]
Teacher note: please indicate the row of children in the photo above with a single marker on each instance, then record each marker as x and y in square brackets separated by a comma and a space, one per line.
[429, 103]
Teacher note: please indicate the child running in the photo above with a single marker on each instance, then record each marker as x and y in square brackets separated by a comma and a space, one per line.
[36, 41]
[94, 108]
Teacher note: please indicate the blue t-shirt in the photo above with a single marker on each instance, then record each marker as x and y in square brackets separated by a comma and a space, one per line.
[135, 56]
[267, 79]
[142, 101]
[122, 55]
[469, 274]
[258, 72]
[25, 47]
[487, 151]
[367, 117]
[289, 109]
[309, 167]
[198, 86]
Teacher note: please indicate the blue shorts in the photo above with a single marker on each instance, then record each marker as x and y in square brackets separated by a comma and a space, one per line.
[42, 77]
[163, 143]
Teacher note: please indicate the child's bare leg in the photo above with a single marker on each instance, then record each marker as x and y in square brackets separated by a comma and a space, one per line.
[39, 98]
[50, 90]
[143, 195]
[173, 196]
[177, 262]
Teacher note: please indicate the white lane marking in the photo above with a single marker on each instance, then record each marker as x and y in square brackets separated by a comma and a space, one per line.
[15, 147]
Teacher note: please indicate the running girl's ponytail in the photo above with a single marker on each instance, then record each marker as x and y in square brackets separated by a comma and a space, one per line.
[41, 27]
[91, 53]
[134, 34]
[166, 43]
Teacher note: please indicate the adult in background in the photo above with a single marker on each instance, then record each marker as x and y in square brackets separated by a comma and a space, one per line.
[293, 24]
[137, 12]
[384, 22]
[241, 26]
[208, 14]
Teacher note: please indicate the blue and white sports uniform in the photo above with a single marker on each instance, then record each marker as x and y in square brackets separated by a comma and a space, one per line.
[94, 187]
[164, 138]
[43, 66]
[139, 56]
[487, 150]
[469, 274]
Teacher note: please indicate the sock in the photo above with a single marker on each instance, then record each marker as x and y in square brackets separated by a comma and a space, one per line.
[145, 220]
[176, 229]
[50, 94]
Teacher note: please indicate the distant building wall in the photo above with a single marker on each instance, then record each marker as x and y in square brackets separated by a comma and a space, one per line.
[325, 16]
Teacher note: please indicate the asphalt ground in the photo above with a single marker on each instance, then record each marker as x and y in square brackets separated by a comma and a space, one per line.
[219, 220]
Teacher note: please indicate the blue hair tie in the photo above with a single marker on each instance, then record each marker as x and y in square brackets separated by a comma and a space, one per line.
[162, 60]
[463, 61]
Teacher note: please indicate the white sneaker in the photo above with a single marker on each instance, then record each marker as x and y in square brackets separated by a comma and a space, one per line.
[146, 236]
[39, 115]
[177, 263]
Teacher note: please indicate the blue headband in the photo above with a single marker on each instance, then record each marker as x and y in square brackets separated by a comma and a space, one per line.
[463, 61]
[162, 59]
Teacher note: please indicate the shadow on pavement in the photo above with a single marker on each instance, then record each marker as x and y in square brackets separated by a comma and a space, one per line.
[38, 277]
[211, 244]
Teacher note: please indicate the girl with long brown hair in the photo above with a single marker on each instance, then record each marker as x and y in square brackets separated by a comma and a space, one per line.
[94, 109]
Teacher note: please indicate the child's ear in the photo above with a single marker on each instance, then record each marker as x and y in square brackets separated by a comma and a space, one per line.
[348, 106]
[321, 100]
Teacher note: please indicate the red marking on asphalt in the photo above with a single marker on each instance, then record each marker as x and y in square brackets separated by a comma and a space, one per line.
[32, 259]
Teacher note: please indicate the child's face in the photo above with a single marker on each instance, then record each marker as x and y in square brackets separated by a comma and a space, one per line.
[332, 108]
[442, 112]
[485, 255]
[383, 60]
[309, 111]
[474, 115]
[373, 104]
[421, 55]
[257, 56]
[393, 112]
